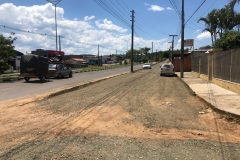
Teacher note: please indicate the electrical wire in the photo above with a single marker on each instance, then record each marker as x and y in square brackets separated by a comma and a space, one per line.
[112, 11]
[175, 6]
[42, 34]
[195, 11]
[27, 31]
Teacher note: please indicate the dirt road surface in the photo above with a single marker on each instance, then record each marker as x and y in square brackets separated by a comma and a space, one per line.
[132, 116]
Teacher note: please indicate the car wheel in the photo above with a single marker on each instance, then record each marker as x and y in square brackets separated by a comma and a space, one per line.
[27, 79]
[59, 76]
[70, 75]
[43, 78]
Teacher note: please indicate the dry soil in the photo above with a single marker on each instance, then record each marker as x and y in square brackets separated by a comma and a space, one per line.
[138, 115]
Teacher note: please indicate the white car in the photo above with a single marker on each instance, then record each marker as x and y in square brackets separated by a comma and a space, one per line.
[147, 65]
[167, 69]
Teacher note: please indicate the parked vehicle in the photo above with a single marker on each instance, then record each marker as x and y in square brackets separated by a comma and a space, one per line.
[167, 69]
[59, 71]
[147, 65]
[33, 66]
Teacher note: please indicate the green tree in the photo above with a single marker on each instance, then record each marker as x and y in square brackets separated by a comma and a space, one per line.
[165, 54]
[144, 59]
[135, 54]
[6, 51]
[211, 24]
[145, 50]
[233, 3]
[230, 40]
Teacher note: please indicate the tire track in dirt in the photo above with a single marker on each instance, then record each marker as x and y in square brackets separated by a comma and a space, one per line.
[131, 107]
[121, 91]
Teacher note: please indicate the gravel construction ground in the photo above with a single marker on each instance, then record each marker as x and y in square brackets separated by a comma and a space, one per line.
[138, 115]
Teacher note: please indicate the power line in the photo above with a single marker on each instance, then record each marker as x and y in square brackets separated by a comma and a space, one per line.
[122, 13]
[175, 6]
[122, 7]
[209, 8]
[112, 11]
[195, 11]
[27, 31]
[125, 5]
[42, 34]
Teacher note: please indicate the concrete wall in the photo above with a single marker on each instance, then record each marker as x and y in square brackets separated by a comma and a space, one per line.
[235, 87]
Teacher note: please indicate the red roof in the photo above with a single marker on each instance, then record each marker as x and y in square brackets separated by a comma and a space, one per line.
[79, 59]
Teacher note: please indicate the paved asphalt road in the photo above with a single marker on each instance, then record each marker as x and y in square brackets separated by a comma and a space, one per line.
[19, 89]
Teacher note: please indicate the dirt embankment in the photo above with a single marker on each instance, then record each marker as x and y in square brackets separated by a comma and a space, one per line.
[133, 116]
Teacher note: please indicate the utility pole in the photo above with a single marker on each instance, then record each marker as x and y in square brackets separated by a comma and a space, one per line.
[98, 55]
[152, 51]
[182, 42]
[59, 43]
[132, 39]
[156, 55]
[172, 46]
[116, 56]
[55, 2]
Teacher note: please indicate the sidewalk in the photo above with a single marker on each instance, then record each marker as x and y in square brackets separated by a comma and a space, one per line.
[221, 99]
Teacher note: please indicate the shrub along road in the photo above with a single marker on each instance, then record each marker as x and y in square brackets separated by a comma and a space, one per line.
[132, 116]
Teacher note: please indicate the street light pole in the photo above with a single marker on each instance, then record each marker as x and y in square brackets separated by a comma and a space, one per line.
[55, 2]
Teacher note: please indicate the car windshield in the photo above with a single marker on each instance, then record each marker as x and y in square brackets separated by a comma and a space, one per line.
[52, 66]
[167, 66]
[146, 63]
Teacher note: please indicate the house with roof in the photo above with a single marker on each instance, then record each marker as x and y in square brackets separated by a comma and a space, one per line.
[76, 63]
[15, 61]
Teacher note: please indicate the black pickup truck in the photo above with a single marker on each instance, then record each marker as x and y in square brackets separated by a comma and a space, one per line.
[34, 66]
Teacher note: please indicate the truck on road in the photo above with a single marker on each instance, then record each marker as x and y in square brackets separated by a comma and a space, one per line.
[34, 66]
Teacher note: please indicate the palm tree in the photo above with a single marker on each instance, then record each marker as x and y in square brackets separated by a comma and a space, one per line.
[233, 3]
[237, 19]
[221, 18]
[227, 19]
[211, 24]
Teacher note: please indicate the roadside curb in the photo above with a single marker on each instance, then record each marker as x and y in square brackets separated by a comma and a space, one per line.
[217, 110]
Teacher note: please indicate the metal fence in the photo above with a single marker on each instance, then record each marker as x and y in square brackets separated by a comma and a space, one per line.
[222, 64]
[226, 65]
[195, 63]
[204, 64]
[235, 66]
[196, 60]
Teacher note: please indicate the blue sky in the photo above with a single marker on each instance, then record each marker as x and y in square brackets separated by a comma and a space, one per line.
[84, 24]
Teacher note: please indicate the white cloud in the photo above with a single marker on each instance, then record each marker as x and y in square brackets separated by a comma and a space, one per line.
[108, 25]
[79, 36]
[87, 18]
[197, 31]
[169, 8]
[203, 35]
[155, 8]
[76, 33]
[146, 4]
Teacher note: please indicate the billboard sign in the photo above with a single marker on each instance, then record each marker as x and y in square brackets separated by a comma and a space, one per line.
[188, 42]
